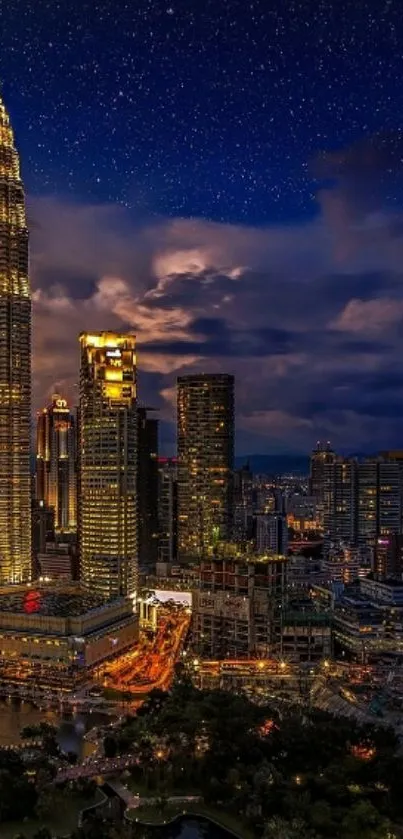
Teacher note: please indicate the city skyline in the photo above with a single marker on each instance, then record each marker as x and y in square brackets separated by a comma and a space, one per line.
[249, 223]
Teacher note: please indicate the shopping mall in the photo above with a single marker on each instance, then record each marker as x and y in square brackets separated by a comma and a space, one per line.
[56, 636]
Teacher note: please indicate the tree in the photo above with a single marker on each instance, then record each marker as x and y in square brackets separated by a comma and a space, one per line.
[362, 821]
[322, 817]
[110, 746]
[44, 804]
[42, 833]
[278, 828]
[17, 795]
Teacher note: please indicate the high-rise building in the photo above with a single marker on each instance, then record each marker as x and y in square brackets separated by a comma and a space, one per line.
[147, 489]
[237, 604]
[15, 367]
[321, 457]
[43, 531]
[363, 504]
[205, 462]
[56, 462]
[107, 464]
[243, 504]
[340, 494]
[271, 533]
[168, 510]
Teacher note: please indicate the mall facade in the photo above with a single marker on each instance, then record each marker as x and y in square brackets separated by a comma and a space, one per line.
[57, 637]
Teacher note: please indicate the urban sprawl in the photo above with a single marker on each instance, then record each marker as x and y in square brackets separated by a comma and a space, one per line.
[127, 576]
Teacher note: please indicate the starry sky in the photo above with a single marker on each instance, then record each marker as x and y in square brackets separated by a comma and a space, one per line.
[225, 177]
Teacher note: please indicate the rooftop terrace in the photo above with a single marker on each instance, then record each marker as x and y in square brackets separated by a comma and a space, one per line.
[50, 602]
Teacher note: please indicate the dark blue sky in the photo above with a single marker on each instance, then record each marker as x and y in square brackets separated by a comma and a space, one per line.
[197, 107]
[182, 149]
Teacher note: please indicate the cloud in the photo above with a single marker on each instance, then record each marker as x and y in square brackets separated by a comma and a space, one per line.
[369, 316]
[307, 316]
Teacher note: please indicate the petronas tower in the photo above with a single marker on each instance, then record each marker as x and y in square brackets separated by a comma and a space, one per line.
[15, 367]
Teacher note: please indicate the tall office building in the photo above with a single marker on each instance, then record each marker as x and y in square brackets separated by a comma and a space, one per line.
[56, 462]
[147, 489]
[15, 367]
[271, 533]
[168, 510]
[107, 464]
[340, 493]
[364, 505]
[322, 456]
[243, 504]
[205, 462]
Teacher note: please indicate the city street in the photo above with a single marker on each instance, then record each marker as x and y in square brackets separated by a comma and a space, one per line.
[151, 663]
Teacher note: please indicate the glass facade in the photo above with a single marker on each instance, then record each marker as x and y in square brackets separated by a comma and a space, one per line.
[56, 462]
[205, 462]
[107, 464]
[15, 367]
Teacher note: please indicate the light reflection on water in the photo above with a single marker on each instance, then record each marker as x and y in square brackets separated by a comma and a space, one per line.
[15, 715]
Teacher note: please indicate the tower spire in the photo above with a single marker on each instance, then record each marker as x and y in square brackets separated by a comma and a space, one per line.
[15, 366]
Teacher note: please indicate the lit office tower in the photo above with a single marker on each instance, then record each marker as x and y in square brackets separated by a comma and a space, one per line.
[340, 502]
[56, 462]
[205, 462]
[107, 464]
[15, 367]
[364, 506]
[321, 457]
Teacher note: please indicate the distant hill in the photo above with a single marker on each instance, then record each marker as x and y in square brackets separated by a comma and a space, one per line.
[276, 464]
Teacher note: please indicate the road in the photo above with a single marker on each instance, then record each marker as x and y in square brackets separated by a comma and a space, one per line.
[151, 664]
[100, 766]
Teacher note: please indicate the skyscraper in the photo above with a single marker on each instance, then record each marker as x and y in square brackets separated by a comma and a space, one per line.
[147, 489]
[243, 504]
[363, 504]
[205, 462]
[321, 457]
[271, 533]
[15, 367]
[56, 462]
[340, 492]
[107, 463]
[168, 510]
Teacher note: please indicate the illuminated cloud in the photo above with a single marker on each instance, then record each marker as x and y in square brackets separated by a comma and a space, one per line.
[369, 316]
[307, 316]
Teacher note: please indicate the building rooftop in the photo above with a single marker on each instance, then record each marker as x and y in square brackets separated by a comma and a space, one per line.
[48, 602]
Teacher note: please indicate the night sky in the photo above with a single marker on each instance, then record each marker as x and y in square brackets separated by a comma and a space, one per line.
[226, 178]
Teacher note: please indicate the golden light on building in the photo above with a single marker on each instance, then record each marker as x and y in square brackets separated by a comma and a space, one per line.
[205, 461]
[56, 462]
[15, 367]
[107, 463]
